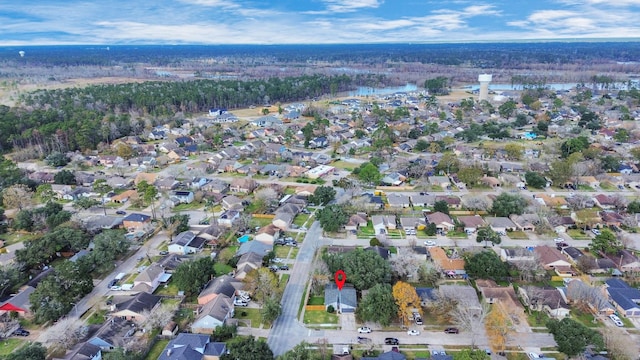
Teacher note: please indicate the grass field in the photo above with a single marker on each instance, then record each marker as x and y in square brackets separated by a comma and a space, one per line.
[222, 269]
[249, 314]
[319, 317]
[578, 234]
[316, 300]
[518, 235]
[7, 346]
[156, 349]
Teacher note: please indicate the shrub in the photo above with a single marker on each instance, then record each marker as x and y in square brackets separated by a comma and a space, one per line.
[375, 242]
[331, 309]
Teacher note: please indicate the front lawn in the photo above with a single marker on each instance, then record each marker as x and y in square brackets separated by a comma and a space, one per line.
[518, 235]
[301, 219]
[282, 251]
[316, 300]
[319, 317]
[586, 319]
[578, 234]
[222, 269]
[284, 279]
[187, 207]
[537, 319]
[7, 346]
[256, 221]
[253, 315]
[457, 234]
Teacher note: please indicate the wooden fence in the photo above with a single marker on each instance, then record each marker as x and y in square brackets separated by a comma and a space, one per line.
[314, 307]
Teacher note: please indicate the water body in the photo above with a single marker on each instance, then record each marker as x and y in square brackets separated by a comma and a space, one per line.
[368, 91]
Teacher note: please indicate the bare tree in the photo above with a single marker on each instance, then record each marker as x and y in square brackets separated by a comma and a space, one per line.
[406, 266]
[478, 203]
[158, 317]
[470, 319]
[17, 196]
[618, 344]
[580, 201]
[530, 270]
[64, 334]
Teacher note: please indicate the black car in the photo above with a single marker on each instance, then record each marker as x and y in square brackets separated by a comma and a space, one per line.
[164, 252]
[111, 283]
[391, 341]
[284, 267]
[120, 212]
[451, 330]
[278, 242]
[21, 332]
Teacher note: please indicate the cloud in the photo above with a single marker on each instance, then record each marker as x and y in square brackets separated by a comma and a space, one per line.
[351, 5]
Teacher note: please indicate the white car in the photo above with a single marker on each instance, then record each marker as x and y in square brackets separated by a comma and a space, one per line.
[238, 302]
[364, 330]
[430, 243]
[595, 231]
[616, 320]
[116, 288]
[533, 355]
[413, 332]
[558, 240]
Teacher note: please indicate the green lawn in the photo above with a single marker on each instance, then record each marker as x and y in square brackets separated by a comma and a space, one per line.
[249, 314]
[186, 207]
[300, 219]
[585, 318]
[7, 346]
[316, 300]
[282, 251]
[284, 279]
[457, 234]
[537, 319]
[14, 238]
[578, 234]
[259, 222]
[319, 317]
[156, 349]
[416, 354]
[222, 269]
[97, 318]
[169, 289]
[294, 253]
[518, 235]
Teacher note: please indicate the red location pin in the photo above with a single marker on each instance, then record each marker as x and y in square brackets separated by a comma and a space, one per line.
[340, 278]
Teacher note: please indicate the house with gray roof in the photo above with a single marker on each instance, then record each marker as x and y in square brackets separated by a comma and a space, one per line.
[343, 301]
[222, 285]
[188, 346]
[625, 298]
[213, 314]
[257, 247]
[501, 224]
[134, 308]
[389, 355]
[398, 200]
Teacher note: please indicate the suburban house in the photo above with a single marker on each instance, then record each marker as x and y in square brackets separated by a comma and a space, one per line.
[394, 355]
[491, 181]
[450, 267]
[464, 295]
[150, 278]
[182, 197]
[135, 221]
[516, 254]
[356, 221]
[549, 300]
[525, 222]
[383, 222]
[85, 351]
[441, 181]
[552, 259]
[124, 196]
[228, 217]
[247, 263]
[398, 201]
[453, 202]
[551, 201]
[222, 285]
[442, 221]
[254, 246]
[243, 185]
[422, 200]
[501, 224]
[572, 253]
[578, 291]
[150, 178]
[605, 202]
[625, 260]
[471, 223]
[232, 202]
[393, 179]
[342, 301]
[213, 314]
[267, 234]
[187, 346]
[506, 295]
[412, 223]
[134, 308]
[18, 303]
[625, 298]
[186, 243]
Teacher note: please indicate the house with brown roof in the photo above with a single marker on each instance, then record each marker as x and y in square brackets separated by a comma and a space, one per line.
[549, 300]
[604, 201]
[267, 234]
[611, 218]
[454, 202]
[124, 196]
[222, 285]
[150, 178]
[136, 306]
[552, 259]
[506, 295]
[442, 221]
[551, 200]
[525, 222]
[243, 185]
[491, 181]
[471, 223]
[356, 221]
[625, 260]
[451, 267]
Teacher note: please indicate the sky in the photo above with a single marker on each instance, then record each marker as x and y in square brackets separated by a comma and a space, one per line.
[62, 22]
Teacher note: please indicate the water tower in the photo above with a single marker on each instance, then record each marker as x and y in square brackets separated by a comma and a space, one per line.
[484, 80]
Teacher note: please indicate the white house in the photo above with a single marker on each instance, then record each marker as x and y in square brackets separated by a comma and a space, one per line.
[213, 314]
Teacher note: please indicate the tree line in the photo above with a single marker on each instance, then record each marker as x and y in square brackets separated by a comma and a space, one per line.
[81, 118]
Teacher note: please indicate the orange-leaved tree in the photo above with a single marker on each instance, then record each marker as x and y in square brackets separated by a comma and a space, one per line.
[407, 299]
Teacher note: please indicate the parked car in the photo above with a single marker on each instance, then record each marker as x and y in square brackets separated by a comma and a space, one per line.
[291, 243]
[116, 288]
[274, 268]
[112, 283]
[364, 330]
[595, 231]
[284, 267]
[121, 212]
[363, 340]
[558, 240]
[21, 332]
[430, 243]
[451, 330]
[533, 355]
[164, 252]
[391, 341]
[238, 302]
[418, 320]
[278, 242]
[616, 320]
[413, 332]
